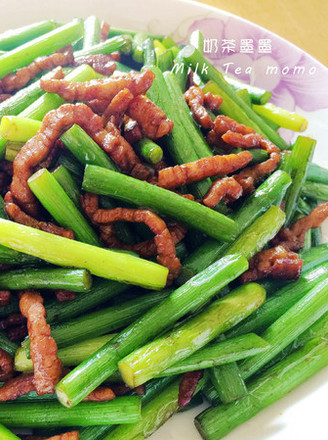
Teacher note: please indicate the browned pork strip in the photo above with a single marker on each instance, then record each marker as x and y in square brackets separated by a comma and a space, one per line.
[104, 29]
[117, 107]
[248, 177]
[103, 89]
[145, 249]
[163, 239]
[16, 387]
[65, 295]
[179, 175]
[276, 262]
[101, 62]
[16, 214]
[293, 238]
[4, 297]
[6, 366]
[15, 81]
[198, 102]
[24, 384]
[47, 367]
[281, 261]
[53, 124]
[151, 119]
[100, 394]
[188, 386]
[227, 189]
[72, 435]
[227, 133]
[132, 131]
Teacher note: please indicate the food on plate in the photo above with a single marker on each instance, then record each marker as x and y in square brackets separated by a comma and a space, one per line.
[160, 241]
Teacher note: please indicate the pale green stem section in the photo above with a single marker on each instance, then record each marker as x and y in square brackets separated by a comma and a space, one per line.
[101, 262]
[282, 117]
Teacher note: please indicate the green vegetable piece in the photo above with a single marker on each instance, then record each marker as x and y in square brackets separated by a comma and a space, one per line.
[215, 423]
[99, 261]
[119, 186]
[192, 295]
[53, 414]
[55, 200]
[150, 360]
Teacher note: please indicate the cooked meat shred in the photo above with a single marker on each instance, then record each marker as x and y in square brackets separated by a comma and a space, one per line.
[72, 435]
[65, 295]
[16, 387]
[6, 366]
[151, 119]
[4, 297]
[188, 386]
[6, 173]
[103, 89]
[227, 189]
[239, 135]
[25, 383]
[160, 166]
[198, 102]
[145, 249]
[117, 107]
[98, 106]
[179, 175]
[15, 81]
[102, 63]
[56, 73]
[4, 96]
[250, 176]
[163, 239]
[114, 144]
[104, 30]
[276, 262]
[16, 214]
[100, 394]
[90, 205]
[148, 248]
[120, 389]
[281, 261]
[53, 124]
[227, 133]
[293, 238]
[132, 131]
[43, 348]
[140, 389]
[223, 124]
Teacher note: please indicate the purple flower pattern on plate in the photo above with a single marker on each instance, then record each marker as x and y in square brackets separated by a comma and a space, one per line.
[305, 86]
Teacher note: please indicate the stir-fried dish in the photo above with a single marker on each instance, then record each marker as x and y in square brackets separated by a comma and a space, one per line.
[160, 242]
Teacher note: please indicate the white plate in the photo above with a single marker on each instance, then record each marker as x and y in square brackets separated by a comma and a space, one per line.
[302, 414]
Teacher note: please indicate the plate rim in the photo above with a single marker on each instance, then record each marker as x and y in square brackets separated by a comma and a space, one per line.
[215, 9]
